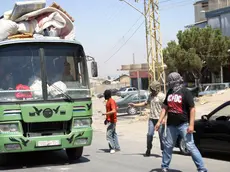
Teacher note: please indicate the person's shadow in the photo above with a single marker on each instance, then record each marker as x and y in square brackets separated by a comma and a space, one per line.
[160, 170]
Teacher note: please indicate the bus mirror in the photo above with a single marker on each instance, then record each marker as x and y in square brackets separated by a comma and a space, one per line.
[94, 70]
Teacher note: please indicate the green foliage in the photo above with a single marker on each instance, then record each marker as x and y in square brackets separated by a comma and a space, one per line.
[197, 48]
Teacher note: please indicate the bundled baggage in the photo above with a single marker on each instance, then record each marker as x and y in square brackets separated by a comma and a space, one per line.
[34, 18]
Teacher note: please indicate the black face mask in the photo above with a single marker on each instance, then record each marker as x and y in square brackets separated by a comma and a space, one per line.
[154, 92]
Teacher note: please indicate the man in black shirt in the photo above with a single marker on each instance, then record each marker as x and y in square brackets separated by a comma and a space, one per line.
[180, 107]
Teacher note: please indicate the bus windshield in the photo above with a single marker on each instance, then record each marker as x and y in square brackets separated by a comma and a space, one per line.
[29, 75]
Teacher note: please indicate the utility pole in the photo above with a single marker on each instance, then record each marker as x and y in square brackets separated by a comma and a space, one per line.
[133, 58]
[153, 41]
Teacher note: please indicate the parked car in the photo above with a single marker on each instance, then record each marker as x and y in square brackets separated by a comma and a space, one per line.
[212, 132]
[122, 103]
[194, 91]
[126, 91]
[209, 89]
[113, 91]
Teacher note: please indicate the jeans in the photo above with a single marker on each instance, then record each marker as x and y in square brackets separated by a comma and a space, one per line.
[151, 129]
[111, 136]
[169, 143]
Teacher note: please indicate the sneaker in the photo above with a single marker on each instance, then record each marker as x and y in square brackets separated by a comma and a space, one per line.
[164, 170]
[148, 152]
[112, 151]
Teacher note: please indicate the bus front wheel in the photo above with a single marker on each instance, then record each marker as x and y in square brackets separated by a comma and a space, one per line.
[74, 153]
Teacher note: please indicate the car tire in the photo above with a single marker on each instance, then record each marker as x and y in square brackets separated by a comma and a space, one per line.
[74, 153]
[182, 147]
[132, 110]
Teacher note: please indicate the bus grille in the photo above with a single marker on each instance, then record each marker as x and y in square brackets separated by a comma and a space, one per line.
[46, 128]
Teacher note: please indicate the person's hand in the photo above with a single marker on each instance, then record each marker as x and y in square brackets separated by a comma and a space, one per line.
[131, 104]
[164, 121]
[190, 129]
[103, 114]
[106, 122]
[157, 126]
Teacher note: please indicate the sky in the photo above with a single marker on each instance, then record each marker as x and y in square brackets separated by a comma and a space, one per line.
[104, 26]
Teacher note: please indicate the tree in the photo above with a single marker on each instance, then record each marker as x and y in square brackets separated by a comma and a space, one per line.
[197, 48]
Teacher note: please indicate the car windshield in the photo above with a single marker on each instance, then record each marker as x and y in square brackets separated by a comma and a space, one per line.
[122, 89]
[24, 72]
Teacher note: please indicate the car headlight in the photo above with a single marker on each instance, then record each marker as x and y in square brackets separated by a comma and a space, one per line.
[9, 128]
[79, 123]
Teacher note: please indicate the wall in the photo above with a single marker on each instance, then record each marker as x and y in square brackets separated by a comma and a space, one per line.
[198, 8]
[217, 4]
[125, 80]
[221, 21]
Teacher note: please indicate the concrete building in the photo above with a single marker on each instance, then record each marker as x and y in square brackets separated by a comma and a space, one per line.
[220, 19]
[124, 79]
[214, 13]
[218, 4]
[138, 75]
[200, 7]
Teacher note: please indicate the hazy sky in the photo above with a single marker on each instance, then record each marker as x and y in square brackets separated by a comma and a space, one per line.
[103, 26]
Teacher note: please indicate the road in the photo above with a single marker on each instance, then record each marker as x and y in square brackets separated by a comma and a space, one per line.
[96, 158]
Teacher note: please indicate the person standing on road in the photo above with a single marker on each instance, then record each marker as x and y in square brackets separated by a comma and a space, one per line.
[111, 120]
[155, 100]
[180, 108]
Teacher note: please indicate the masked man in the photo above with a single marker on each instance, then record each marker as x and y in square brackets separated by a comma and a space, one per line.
[111, 120]
[155, 100]
[180, 109]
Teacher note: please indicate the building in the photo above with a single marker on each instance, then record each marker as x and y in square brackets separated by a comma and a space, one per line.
[200, 7]
[218, 4]
[124, 79]
[214, 13]
[138, 75]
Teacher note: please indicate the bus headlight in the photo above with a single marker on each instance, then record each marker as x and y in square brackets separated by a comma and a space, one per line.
[9, 128]
[81, 123]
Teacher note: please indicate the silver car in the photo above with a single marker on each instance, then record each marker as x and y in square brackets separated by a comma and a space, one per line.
[127, 91]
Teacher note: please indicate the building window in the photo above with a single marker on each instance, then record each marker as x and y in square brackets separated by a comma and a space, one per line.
[205, 5]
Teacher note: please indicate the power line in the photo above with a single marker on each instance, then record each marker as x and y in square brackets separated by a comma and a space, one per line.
[134, 25]
[125, 42]
[119, 9]
[127, 32]
[139, 28]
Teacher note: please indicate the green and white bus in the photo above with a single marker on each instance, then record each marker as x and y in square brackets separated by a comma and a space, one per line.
[45, 100]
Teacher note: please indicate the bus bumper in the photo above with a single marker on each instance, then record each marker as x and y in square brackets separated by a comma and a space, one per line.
[19, 143]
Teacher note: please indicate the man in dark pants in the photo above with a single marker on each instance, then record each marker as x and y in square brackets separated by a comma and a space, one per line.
[155, 100]
[111, 120]
[180, 108]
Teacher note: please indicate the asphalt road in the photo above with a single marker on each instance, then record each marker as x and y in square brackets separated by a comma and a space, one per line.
[96, 158]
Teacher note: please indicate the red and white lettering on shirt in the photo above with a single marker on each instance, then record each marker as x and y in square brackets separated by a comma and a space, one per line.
[175, 102]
